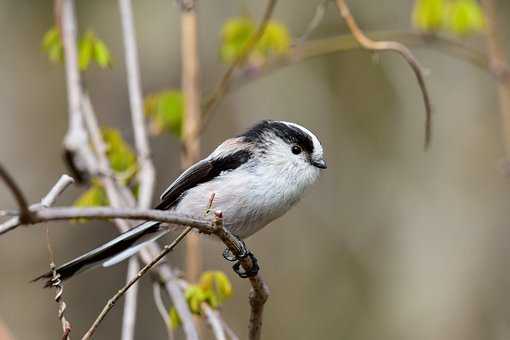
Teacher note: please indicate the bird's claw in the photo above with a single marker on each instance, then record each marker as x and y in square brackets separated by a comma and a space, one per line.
[231, 257]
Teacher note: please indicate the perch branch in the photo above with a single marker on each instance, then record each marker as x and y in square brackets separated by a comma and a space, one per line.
[396, 47]
[123, 290]
[224, 84]
[259, 292]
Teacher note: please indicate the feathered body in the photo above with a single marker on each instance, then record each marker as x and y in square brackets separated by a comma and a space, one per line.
[255, 177]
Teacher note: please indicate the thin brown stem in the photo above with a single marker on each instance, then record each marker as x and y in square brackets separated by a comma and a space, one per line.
[193, 117]
[396, 47]
[109, 305]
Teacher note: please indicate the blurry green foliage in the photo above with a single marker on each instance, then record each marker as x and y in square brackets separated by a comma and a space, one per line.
[236, 33]
[52, 45]
[465, 17]
[121, 156]
[213, 288]
[460, 17]
[90, 48]
[95, 196]
[165, 110]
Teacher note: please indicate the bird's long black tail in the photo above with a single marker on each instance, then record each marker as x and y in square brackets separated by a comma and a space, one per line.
[120, 248]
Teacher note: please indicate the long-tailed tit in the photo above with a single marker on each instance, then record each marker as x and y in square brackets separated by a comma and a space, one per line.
[256, 177]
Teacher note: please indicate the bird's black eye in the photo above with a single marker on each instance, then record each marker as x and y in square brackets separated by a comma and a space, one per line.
[296, 149]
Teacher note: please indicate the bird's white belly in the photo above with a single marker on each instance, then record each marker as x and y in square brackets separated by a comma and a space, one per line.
[248, 202]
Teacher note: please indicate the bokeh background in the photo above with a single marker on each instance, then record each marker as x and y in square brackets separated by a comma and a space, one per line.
[392, 243]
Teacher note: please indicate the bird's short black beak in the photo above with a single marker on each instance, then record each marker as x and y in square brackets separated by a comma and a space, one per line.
[320, 163]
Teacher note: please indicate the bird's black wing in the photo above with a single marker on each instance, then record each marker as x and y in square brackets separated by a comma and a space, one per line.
[201, 172]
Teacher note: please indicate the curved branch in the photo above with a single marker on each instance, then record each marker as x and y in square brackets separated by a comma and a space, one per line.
[396, 47]
[25, 213]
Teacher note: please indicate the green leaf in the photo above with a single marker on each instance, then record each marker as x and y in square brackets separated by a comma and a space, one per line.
[121, 156]
[102, 55]
[216, 286]
[174, 318]
[85, 50]
[237, 32]
[465, 17]
[166, 111]
[52, 45]
[429, 15]
[195, 296]
[95, 196]
[275, 40]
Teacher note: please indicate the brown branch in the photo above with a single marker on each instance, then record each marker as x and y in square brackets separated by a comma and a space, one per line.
[498, 63]
[192, 118]
[396, 47]
[224, 84]
[142, 272]
[25, 214]
[259, 292]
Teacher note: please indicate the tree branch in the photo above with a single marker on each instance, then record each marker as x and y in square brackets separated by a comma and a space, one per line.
[396, 47]
[24, 215]
[123, 290]
[146, 173]
[47, 201]
[259, 292]
[193, 116]
[130, 303]
[224, 84]
[80, 156]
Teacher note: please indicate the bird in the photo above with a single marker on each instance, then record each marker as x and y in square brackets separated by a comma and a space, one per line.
[255, 177]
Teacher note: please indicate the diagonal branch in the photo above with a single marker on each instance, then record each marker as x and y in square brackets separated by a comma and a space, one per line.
[370, 44]
[123, 290]
[224, 83]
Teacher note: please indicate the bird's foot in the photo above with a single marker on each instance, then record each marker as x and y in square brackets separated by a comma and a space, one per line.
[229, 256]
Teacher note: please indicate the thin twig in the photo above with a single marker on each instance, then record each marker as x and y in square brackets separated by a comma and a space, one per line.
[318, 16]
[130, 303]
[24, 215]
[396, 47]
[259, 292]
[146, 173]
[224, 83]
[160, 306]
[62, 184]
[122, 291]
[75, 141]
[193, 117]
[214, 321]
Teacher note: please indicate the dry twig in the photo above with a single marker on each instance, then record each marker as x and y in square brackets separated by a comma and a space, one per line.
[122, 291]
[396, 47]
[24, 215]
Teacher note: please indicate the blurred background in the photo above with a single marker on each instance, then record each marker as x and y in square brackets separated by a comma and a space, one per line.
[391, 243]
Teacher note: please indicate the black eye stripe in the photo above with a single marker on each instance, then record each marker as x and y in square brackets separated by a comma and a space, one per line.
[289, 133]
